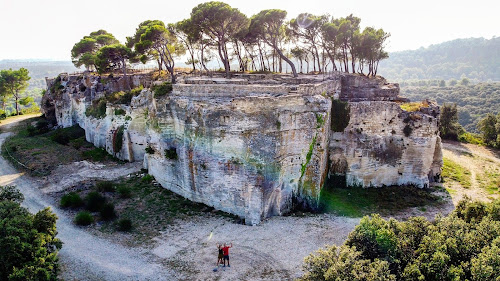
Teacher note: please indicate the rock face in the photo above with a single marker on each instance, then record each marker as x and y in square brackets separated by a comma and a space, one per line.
[258, 145]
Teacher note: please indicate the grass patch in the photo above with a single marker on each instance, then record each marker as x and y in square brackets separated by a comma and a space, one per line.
[454, 172]
[357, 202]
[39, 154]
[489, 179]
[412, 106]
[151, 208]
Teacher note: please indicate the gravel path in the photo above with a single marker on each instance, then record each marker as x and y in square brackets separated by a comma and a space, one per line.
[84, 256]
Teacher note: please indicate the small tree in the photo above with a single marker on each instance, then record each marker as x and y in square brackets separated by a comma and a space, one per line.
[269, 26]
[113, 57]
[84, 51]
[220, 22]
[488, 128]
[449, 128]
[156, 38]
[15, 82]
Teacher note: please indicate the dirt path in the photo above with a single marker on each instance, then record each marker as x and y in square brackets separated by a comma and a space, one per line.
[477, 160]
[84, 256]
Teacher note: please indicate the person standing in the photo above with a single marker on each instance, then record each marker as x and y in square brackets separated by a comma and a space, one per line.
[225, 251]
[220, 256]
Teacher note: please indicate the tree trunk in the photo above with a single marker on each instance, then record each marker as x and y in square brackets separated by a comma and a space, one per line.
[16, 97]
[294, 71]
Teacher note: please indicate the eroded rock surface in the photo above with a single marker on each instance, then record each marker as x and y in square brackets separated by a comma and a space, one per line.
[258, 145]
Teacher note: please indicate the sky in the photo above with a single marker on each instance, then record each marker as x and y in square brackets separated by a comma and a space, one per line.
[35, 29]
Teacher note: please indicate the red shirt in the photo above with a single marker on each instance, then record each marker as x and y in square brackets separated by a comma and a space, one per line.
[225, 250]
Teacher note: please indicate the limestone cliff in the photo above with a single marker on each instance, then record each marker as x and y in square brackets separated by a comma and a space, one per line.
[257, 145]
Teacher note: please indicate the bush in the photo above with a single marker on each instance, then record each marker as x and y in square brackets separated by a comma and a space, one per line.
[11, 193]
[150, 150]
[105, 186]
[94, 201]
[162, 89]
[3, 115]
[97, 109]
[462, 246]
[71, 200]
[119, 111]
[124, 191]
[147, 178]
[108, 212]
[171, 153]
[123, 97]
[84, 218]
[118, 139]
[29, 248]
[124, 225]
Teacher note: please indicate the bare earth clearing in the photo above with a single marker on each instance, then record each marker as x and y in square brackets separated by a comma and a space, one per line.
[273, 250]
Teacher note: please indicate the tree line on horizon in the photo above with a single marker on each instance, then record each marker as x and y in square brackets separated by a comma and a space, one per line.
[264, 42]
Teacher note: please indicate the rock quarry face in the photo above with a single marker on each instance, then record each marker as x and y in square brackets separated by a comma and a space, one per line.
[258, 145]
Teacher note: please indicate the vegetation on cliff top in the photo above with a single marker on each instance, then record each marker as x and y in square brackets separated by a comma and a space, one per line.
[325, 42]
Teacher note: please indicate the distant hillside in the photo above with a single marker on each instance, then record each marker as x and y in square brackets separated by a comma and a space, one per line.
[475, 58]
[473, 101]
[39, 69]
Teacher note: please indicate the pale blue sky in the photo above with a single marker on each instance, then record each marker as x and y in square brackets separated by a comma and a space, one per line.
[48, 29]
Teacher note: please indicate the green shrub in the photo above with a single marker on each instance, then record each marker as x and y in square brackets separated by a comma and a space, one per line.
[119, 111]
[461, 246]
[3, 115]
[124, 191]
[108, 212]
[471, 138]
[28, 246]
[71, 200]
[97, 109]
[147, 178]
[123, 97]
[149, 150]
[94, 201]
[124, 225]
[171, 153]
[118, 139]
[128, 118]
[162, 89]
[84, 218]
[11, 193]
[105, 186]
